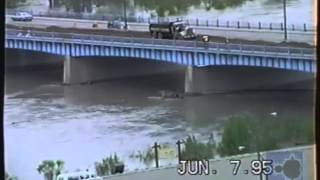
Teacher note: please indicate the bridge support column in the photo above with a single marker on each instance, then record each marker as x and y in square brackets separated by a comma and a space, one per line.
[67, 70]
[196, 80]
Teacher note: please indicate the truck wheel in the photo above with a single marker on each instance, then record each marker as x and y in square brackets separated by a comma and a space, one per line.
[160, 36]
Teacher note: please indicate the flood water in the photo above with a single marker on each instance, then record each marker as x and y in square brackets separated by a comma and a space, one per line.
[81, 124]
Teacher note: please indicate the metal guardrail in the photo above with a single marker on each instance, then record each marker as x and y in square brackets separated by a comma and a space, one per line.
[191, 45]
[193, 22]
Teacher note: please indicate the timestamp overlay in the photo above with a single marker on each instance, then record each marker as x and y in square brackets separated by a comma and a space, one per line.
[273, 165]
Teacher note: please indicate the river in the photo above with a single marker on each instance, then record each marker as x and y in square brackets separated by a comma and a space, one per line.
[82, 124]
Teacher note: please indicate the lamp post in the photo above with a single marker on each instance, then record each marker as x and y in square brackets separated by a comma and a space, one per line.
[285, 19]
[125, 14]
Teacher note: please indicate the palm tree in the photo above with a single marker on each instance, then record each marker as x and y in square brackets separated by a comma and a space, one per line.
[50, 169]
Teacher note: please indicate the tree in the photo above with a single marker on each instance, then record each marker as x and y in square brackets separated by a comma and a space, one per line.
[50, 169]
[108, 165]
[194, 150]
[8, 177]
[236, 133]
[14, 3]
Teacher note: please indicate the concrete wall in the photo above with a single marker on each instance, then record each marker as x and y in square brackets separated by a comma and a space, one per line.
[83, 70]
[235, 78]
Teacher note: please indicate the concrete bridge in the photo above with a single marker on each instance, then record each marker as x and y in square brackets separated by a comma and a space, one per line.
[194, 55]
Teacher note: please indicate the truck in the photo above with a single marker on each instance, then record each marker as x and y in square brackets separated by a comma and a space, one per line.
[171, 30]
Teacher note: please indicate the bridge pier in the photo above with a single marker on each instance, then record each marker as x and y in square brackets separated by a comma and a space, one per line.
[195, 80]
[67, 70]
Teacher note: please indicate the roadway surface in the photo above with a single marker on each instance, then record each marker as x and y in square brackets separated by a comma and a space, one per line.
[275, 36]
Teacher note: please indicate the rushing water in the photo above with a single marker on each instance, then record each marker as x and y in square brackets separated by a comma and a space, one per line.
[266, 11]
[84, 123]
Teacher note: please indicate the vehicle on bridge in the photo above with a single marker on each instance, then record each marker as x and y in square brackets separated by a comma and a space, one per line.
[171, 30]
[77, 176]
[22, 16]
[116, 25]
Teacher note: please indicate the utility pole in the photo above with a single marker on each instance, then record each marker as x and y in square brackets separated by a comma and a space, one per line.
[125, 14]
[285, 19]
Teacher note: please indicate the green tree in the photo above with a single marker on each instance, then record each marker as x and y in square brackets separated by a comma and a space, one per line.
[107, 165]
[50, 169]
[14, 3]
[195, 150]
[236, 133]
[8, 177]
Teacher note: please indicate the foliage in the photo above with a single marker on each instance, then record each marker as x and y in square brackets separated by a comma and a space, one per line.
[50, 169]
[263, 133]
[195, 150]
[14, 3]
[162, 8]
[236, 133]
[105, 167]
[145, 156]
[8, 177]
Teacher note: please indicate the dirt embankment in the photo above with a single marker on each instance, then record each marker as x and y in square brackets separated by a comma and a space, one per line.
[139, 34]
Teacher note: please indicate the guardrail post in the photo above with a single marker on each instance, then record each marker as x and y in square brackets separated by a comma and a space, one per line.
[259, 24]
[248, 25]
[217, 22]
[270, 26]
[149, 20]
[305, 27]
[207, 22]
[197, 22]
[179, 149]
[156, 146]
[227, 23]
[281, 26]
[292, 27]
[238, 24]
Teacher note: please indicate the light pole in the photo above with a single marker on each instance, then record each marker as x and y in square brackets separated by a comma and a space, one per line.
[285, 19]
[125, 14]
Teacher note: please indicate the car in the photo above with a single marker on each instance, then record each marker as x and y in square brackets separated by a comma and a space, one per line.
[22, 16]
[116, 24]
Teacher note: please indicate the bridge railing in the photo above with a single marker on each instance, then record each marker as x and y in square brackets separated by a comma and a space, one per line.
[217, 23]
[191, 45]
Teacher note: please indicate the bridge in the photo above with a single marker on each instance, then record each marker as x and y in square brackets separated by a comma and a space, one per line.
[192, 54]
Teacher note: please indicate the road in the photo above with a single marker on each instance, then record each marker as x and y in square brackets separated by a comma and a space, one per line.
[275, 36]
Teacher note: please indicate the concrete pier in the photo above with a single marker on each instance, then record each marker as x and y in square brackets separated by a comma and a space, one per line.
[67, 70]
